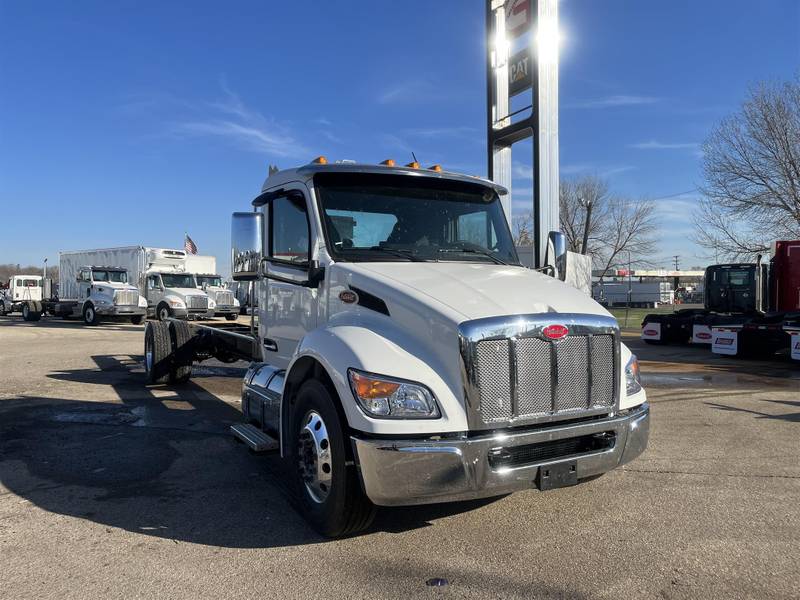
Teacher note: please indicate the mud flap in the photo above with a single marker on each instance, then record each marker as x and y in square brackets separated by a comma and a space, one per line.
[651, 331]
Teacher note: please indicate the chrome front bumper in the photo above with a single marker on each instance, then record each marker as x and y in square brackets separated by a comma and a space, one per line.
[403, 472]
[119, 310]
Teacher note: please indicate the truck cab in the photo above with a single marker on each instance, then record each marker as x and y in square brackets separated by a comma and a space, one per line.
[104, 292]
[224, 300]
[404, 355]
[175, 294]
[20, 288]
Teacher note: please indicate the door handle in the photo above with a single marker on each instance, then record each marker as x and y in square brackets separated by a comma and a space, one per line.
[270, 345]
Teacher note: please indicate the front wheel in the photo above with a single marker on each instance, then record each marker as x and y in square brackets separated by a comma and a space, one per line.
[137, 319]
[29, 313]
[89, 315]
[327, 491]
[231, 317]
[2, 309]
[164, 312]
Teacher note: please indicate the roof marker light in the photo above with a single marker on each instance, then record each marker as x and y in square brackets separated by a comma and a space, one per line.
[437, 168]
[413, 165]
[389, 162]
[320, 160]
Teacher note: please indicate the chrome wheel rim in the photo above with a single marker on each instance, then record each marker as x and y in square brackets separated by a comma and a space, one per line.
[89, 315]
[163, 314]
[315, 464]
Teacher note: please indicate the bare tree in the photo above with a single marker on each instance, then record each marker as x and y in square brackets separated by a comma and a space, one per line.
[596, 223]
[751, 168]
[583, 210]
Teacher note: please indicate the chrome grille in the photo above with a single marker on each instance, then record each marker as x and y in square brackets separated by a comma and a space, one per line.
[197, 302]
[493, 377]
[514, 374]
[126, 298]
[225, 298]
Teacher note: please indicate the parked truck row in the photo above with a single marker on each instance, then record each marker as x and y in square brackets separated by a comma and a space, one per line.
[130, 283]
[750, 309]
[403, 355]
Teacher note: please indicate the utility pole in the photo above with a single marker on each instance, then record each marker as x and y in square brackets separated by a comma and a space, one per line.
[675, 258]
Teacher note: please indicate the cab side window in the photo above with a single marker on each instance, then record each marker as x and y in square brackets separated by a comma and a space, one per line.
[152, 282]
[290, 238]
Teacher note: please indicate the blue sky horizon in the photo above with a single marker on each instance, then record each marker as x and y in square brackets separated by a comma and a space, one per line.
[131, 123]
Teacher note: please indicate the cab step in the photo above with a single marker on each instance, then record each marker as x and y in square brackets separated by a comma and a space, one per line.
[256, 440]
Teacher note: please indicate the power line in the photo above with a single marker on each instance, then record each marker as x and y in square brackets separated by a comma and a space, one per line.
[675, 195]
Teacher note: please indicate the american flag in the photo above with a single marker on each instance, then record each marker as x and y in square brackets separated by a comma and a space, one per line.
[189, 245]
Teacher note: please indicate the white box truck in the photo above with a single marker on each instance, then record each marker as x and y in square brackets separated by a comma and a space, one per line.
[403, 355]
[204, 269]
[93, 285]
[162, 278]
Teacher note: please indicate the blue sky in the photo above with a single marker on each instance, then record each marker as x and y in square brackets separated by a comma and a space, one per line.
[130, 123]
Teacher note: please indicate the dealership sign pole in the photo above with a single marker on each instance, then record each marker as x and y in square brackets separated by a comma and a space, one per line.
[522, 60]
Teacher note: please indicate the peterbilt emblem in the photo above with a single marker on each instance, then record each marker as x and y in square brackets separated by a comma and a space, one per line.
[555, 332]
[348, 297]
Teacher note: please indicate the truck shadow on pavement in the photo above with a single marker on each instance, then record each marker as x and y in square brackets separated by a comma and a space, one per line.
[15, 320]
[159, 461]
[790, 417]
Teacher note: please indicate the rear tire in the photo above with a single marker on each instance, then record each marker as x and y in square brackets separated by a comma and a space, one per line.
[2, 309]
[157, 352]
[231, 317]
[30, 313]
[182, 352]
[137, 319]
[90, 315]
[327, 491]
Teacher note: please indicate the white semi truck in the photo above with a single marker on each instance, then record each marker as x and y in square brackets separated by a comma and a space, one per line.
[204, 269]
[403, 355]
[92, 286]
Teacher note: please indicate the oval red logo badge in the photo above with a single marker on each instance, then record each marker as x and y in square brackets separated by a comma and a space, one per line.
[348, 297]
[555, 332]
[703, 335]
[650, 332]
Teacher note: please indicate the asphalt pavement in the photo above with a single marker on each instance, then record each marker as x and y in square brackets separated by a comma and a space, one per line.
[112, 489]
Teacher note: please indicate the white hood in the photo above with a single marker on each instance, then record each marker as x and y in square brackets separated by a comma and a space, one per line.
[478, 290]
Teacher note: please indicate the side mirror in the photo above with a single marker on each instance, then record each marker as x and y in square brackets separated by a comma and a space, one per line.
[556, 256]
[247, 243]
[315, 275]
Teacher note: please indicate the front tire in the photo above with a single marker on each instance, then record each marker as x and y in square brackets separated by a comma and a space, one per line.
[231, 317]
[2, 309]
[137, 319]
[90, 315]
[163, 312]
[327, 491]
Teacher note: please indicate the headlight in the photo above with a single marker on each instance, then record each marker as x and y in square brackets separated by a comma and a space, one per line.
[387, 398]
[142, 302]
[235, 302]
[633, 382]
[211, 303]
[175, 302]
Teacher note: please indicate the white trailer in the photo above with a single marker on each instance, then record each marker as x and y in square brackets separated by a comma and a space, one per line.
[640, 294]
[204, 269]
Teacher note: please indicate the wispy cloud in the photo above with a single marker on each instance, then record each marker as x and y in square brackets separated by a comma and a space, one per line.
[592, 169]
[439, 132]
[613, 101]
[411, 91]
[656, 145]
[233, 121]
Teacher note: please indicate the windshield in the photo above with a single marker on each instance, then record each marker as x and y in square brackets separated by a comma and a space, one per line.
[211, 280]
[178, 280]
[396, 217]
[112, 276]
[29, 282]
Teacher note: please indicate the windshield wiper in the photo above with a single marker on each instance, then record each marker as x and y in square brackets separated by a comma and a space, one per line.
[402, 252]
[469, 250]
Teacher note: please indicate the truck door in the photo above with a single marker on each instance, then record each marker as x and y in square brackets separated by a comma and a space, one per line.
[291, 309]
[84, 282]
[153, 291]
